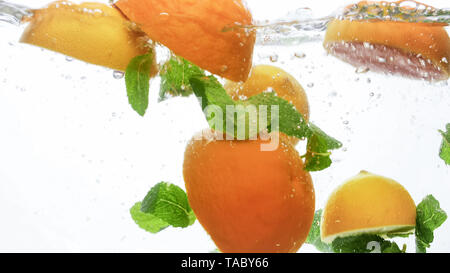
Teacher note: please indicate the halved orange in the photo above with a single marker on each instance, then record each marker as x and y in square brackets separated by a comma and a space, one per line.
[414, 50]
[368, 203]
[93, 32]
[197, 31]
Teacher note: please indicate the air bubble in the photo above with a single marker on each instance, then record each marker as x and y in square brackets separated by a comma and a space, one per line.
[118, 75]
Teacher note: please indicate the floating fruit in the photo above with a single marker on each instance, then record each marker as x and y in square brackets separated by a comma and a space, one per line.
[414, 50]
[93, 32]
[208, 33]
[247, 199]
[368, 203]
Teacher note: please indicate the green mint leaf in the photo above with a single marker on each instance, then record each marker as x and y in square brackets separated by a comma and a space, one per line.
[215, 101]
[318, 149]
[147, 221]
[137, 80]
[364, 243]
[314, 234]
[169, 203]
[291, 122]
[175, 75]
[445, 146]
[429, 217]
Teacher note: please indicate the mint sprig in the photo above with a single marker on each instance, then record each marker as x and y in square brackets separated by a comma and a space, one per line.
[175, 75]
[429, 217]
[165, 205]
[215, 101]
[137, 81]
[445, 146]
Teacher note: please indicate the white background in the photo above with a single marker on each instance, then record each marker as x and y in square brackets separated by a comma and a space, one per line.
[74, 157]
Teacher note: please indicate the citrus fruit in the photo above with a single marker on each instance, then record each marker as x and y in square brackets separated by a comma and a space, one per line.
[93, 32]
[249, 200]
[413, 50]
[368, 203]
[206, 33]
[265, 78]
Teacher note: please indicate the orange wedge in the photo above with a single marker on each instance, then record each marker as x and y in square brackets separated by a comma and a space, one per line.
[207, 33]
[93, 32]
[413, 50]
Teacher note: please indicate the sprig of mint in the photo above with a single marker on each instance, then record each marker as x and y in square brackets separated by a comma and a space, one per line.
[165, 205]
[215, 100]
[364, 243]
[175, 75]
[445, 146]
[137, 81]
[429, 217]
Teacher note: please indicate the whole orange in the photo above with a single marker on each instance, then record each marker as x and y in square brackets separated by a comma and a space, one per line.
[249, 200]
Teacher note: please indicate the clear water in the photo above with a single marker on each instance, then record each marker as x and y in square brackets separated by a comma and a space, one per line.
[74, 157]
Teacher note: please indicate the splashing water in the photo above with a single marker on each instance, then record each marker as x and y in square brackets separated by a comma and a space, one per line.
[13, 13]
[288, 32]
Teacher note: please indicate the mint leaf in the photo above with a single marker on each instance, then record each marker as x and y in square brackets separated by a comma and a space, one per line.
[291, 122]
[429, 217]
[169, 203]
[314, 234]
[147, 221]
[214, 101]
[137, 80]
[364, 243]
[216, 104]
[445, 146]
[317, 155]
[175, 75]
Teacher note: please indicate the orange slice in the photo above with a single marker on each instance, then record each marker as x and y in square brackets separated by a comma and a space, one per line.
[413, 50]
[93, 32]
[195, 30]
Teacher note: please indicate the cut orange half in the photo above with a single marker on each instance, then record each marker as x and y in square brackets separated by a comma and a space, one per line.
[368, 203]
[413, 50]
[197, 31]
[93, 32]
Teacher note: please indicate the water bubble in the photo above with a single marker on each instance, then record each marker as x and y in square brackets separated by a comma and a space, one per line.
[273, 58]
[69, 59]
[310, 85]
[299, 55]
[118, 75]
[361, 70]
